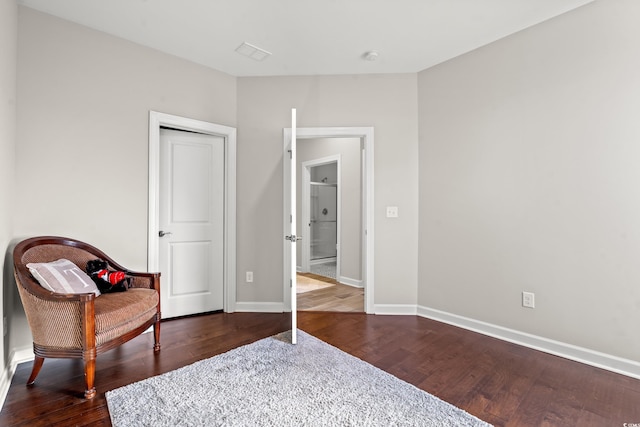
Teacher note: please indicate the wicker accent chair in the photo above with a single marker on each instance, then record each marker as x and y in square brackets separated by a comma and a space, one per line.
[82, 325]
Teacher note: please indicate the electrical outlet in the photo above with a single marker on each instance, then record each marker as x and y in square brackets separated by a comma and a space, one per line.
[249, 276]
[392, 212]
[528, 299]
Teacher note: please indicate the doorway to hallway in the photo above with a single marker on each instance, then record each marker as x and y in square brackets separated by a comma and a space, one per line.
[329, 266]
[360, 264]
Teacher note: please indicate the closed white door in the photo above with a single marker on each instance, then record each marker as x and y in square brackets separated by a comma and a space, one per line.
[191, 218]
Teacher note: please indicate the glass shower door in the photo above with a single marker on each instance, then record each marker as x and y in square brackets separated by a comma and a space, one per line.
[324, 232]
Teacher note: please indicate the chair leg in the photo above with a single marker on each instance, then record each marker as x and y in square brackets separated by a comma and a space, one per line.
[89, 377]
[37, 364]
[156, 336]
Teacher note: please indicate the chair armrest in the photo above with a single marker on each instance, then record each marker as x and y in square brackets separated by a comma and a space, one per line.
[144, 280]
[141, 279]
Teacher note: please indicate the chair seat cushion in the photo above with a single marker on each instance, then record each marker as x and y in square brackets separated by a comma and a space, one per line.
[121, 312]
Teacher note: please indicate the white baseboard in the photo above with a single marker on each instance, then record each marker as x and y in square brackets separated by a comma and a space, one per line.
[395, 309]
[17, 356]
[260, 307]
[21, 355]
[322, 260]
[350, 282]
[5, 382]
[609, 362]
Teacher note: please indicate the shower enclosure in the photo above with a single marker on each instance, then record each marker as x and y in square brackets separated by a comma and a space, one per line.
[324, 206]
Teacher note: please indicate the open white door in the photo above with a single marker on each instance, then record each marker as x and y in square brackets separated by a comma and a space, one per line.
[290, 217]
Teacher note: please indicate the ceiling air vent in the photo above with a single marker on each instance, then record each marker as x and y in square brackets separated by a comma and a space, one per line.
[253, 52]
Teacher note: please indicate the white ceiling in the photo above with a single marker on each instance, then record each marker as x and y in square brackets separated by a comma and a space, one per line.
[310, 37]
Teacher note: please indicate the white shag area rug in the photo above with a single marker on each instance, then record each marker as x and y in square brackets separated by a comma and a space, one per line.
[274, 383]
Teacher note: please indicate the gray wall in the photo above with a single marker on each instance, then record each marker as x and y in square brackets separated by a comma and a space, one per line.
[350, 192]
[386, 102]
[83, 121]
[82, 125]
[92, 103]
[8, 61]
[524, 171]
[529, 180]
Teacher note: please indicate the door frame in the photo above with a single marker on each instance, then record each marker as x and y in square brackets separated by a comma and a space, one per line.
[157, 120]
[306, 213]
[365, 134]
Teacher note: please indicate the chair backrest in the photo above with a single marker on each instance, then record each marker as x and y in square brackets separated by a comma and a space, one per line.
[47, 249]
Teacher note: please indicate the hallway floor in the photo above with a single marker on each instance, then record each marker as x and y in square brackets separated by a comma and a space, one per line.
[339, 297]
[326, 269]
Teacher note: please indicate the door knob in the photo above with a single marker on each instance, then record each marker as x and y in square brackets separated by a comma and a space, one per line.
[163, 233]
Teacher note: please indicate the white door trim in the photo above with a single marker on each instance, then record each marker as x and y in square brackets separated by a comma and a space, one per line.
[156, 120]
[366, 136]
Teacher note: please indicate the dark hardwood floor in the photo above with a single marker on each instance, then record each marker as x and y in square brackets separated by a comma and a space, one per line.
[499, 382]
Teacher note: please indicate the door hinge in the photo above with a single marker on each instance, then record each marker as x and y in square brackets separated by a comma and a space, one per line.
[290, 154]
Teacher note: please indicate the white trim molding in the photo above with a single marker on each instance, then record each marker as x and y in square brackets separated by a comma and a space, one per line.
[587, 356]
[396, 309]
[356, 283]
[260, 307]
